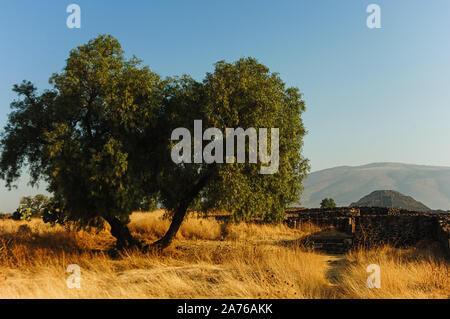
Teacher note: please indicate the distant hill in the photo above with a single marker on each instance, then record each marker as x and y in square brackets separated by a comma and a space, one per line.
[346, 184]
[390, 198]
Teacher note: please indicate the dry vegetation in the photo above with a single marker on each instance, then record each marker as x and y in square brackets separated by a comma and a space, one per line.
[207, 260]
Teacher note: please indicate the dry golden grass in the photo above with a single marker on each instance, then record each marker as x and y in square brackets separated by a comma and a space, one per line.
[412, 273]
[208, 259]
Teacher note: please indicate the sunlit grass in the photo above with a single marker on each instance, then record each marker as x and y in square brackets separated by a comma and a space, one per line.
[208, 259]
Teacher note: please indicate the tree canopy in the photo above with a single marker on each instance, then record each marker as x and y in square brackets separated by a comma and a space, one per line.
[327, 203]
[35, 205]
[102, 139]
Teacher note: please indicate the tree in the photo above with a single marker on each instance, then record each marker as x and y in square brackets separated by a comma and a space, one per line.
[101, 139]
[327, 203]
[243, 94]
[83, 136]
[31, 207]
[36, 204]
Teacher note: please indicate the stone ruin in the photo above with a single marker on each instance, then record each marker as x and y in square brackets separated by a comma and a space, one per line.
[368, 226]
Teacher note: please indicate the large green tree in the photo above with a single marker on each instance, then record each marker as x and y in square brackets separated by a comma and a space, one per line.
[102, 139]
[243, 94]
[84, 137]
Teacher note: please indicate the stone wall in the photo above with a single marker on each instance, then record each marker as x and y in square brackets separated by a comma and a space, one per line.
[393, 229]
[378, 225]
[443, 233]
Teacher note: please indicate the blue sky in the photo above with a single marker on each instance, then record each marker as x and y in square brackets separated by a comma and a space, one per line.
[372, 95]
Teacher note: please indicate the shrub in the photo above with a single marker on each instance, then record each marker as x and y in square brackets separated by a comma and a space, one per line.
[22, 213]
[53, 213]
[327, 203]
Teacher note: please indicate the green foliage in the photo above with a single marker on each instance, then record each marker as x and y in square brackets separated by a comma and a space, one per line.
[101, 138]
[327, 203]
[54, 213]
[83, 136]
[149, 203]
[22, 213]
[35, 204]
[16, 215]
[245, 94]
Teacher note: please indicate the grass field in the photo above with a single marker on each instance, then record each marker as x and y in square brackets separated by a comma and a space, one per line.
[208, 260]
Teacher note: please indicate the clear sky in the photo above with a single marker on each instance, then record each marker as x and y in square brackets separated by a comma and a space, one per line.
[372, 95]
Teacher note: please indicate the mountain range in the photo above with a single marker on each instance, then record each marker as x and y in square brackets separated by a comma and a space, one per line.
[429, 185]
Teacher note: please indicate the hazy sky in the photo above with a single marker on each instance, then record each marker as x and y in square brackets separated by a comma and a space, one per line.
[372, 95]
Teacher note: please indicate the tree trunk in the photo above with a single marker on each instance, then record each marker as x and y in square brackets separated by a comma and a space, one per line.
[180, 212]
[177, 220]
[122, 234]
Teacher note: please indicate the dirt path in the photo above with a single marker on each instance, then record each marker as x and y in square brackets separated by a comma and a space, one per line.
[336, 265]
